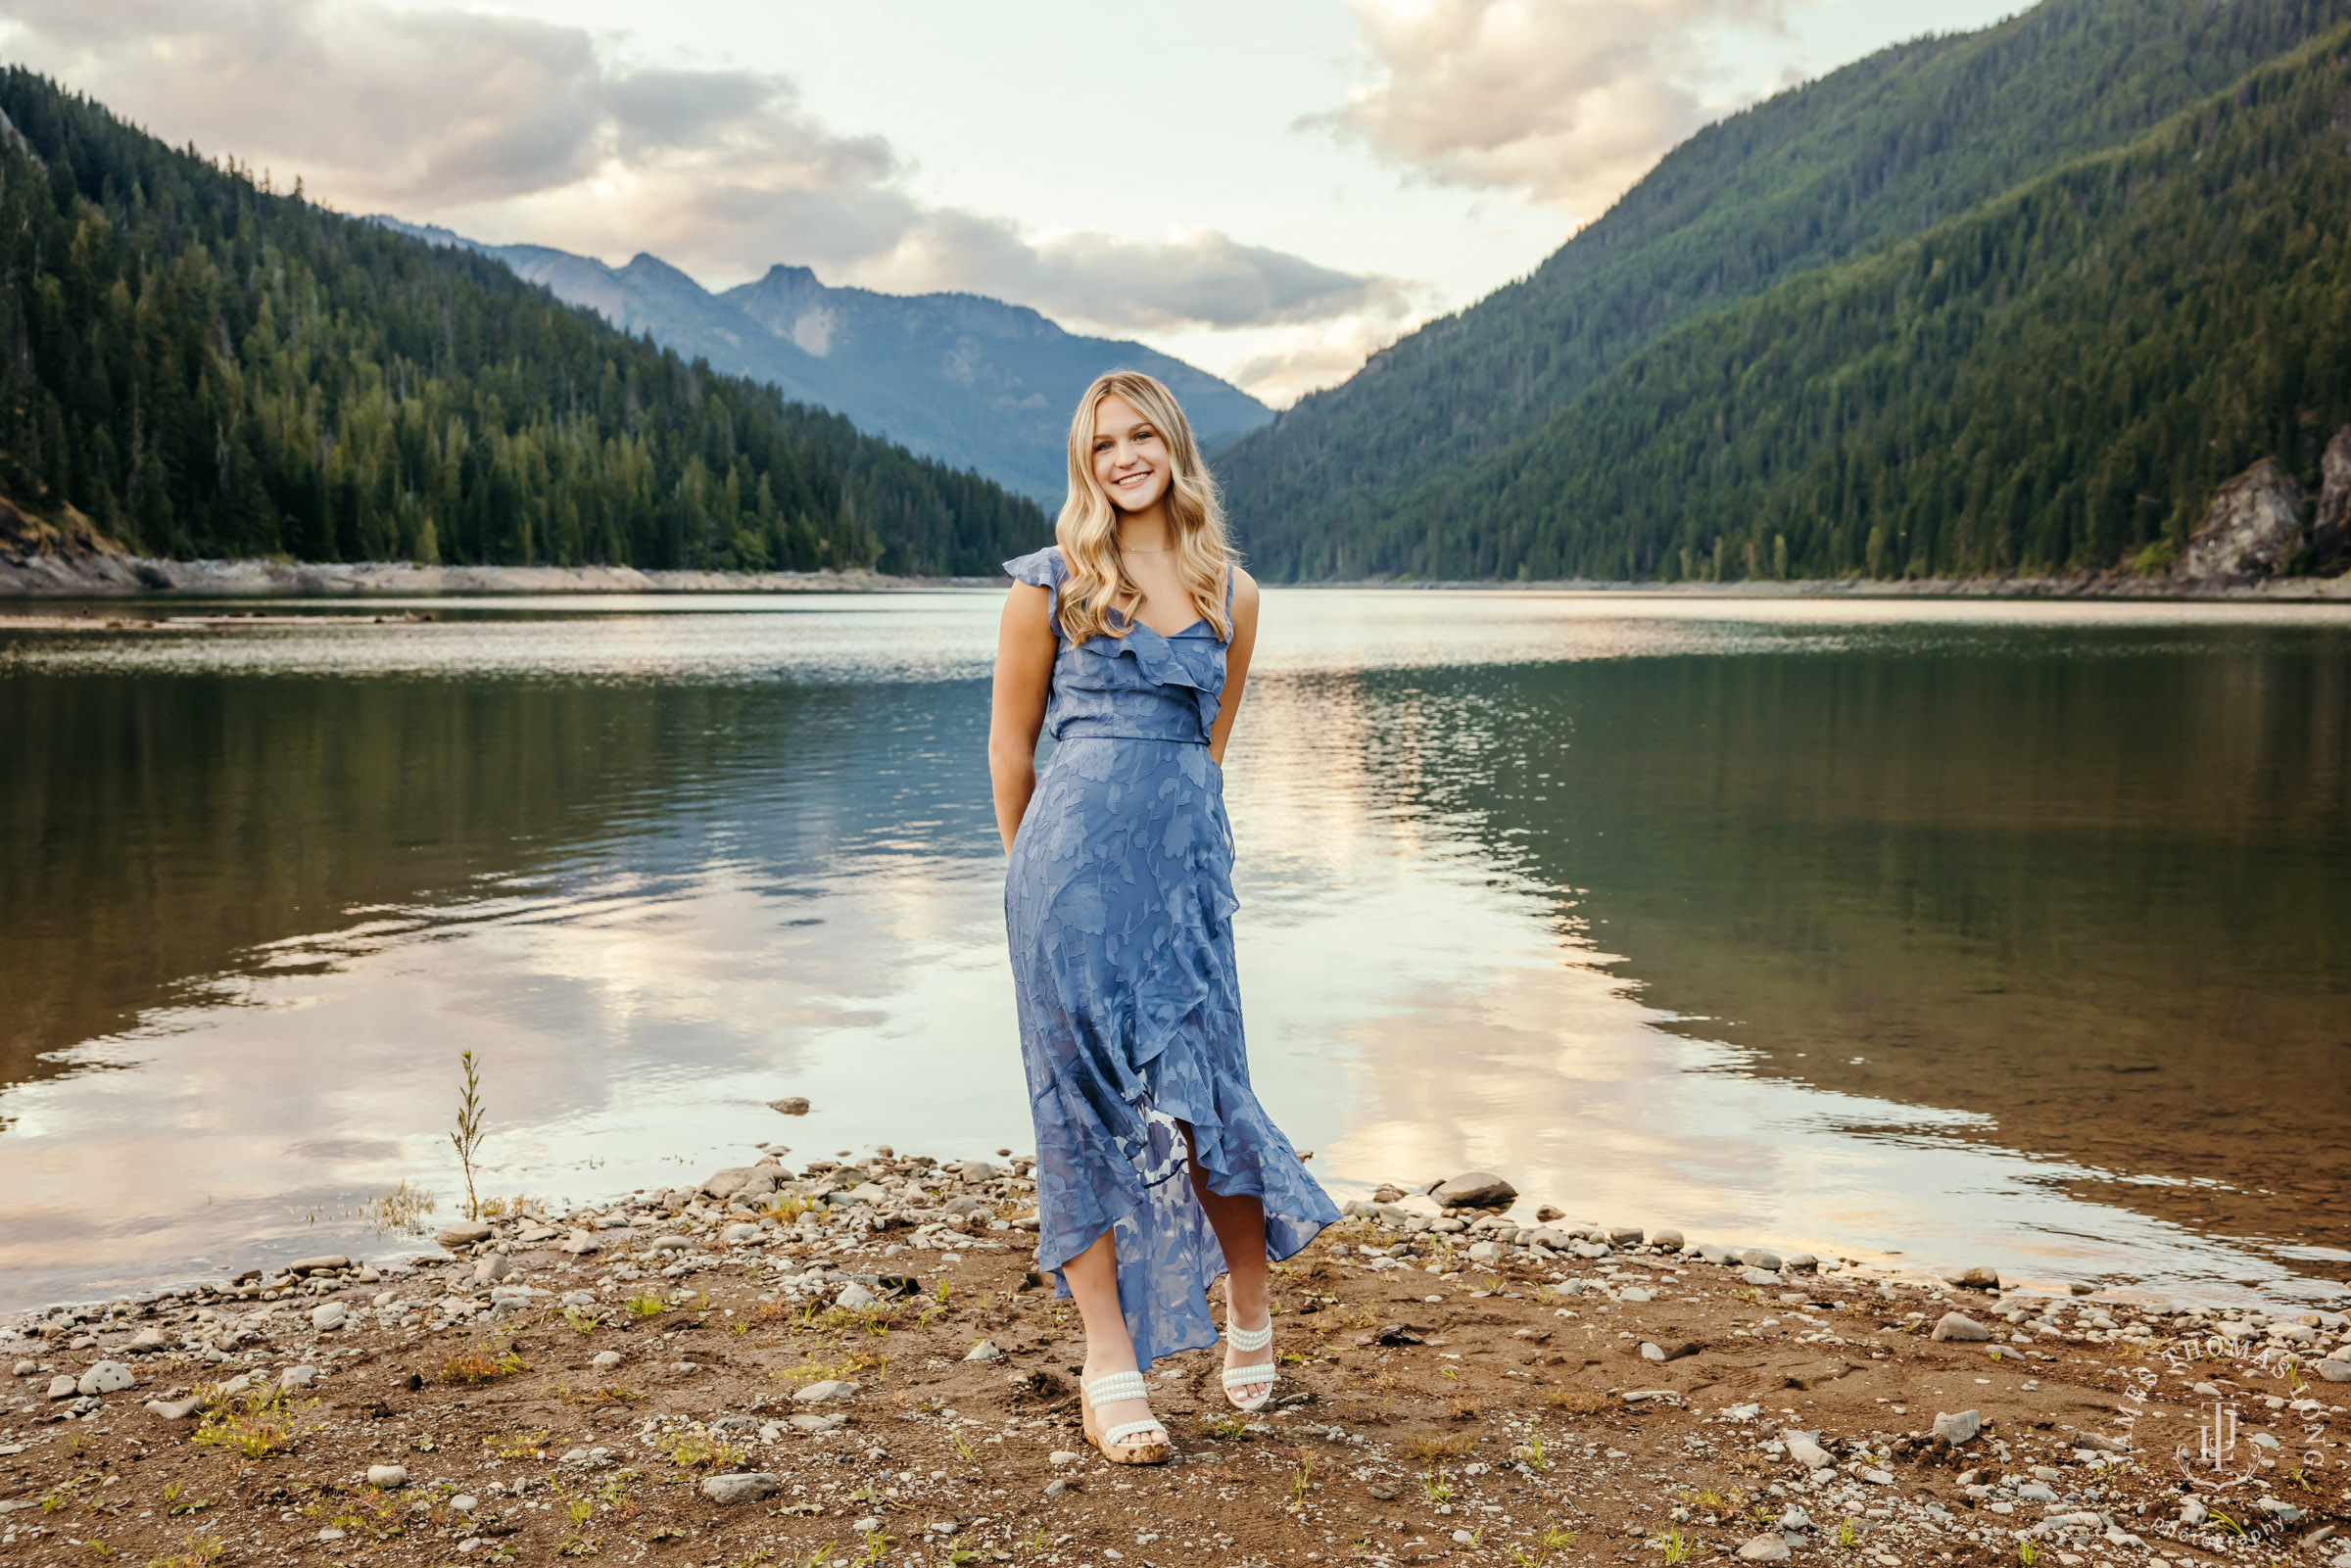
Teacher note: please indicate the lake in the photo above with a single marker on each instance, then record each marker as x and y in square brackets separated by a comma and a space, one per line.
[1964, 931]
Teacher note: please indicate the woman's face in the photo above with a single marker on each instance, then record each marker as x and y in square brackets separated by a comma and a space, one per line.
[1130, 459]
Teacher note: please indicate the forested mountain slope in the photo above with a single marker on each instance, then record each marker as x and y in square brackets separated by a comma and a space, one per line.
[206, 368]
[2056, 382]
[969, 380]
[1355, 481]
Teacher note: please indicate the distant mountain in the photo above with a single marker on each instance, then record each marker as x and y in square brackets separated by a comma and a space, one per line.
[2011, 300]
[203, 367]
[971, 381]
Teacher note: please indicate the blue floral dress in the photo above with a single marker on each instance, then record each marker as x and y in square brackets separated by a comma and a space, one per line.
[1118, 903]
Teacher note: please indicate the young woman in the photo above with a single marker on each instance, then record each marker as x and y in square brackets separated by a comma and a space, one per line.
[1130, 640]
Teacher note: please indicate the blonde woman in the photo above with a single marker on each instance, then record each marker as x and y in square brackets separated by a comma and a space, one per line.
[1157, 1168]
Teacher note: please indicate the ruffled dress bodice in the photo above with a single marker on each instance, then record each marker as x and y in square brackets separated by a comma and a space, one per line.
[1143, 686]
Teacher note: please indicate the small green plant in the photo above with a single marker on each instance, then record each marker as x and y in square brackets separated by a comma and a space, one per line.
[475, 1368]
[1678, 1549]
[2028, 1553]
[963, 1446]
[698, 1449]
[256, 1423]
[1848, 1533]
[1438, 1485]
[646, 1305]
[1226, 1426]
[1302, 1482]
[403, 1209]
[2222, 1523]
[582, 1320]
[466, 1136]
[1557, 1539]
[876, 1547]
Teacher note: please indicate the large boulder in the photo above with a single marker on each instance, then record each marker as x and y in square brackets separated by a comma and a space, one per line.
[2330, 534]
[2251, 529]
[1477, 1189]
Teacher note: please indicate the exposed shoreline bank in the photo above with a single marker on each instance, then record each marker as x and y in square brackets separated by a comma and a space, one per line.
[845, 1360]
[92, 574]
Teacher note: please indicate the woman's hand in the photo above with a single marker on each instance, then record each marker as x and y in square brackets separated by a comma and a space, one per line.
[1025, 650]
[1236, 662]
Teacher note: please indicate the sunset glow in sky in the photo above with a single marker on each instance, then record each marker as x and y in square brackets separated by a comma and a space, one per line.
[1272, 192]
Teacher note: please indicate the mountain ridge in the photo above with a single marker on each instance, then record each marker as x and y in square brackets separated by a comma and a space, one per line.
[973, 381]
[1355, 481]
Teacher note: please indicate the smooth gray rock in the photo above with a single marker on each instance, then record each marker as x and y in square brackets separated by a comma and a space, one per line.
[1960, 1326]
[854, 1296]
[1668, 1240]
[177, 1409]
[818, 1423]
[2035, 1491]
[1624, 1235]
[1761, 1257]
[1765, 1549]
[829, 1389]
[298, 1377]
[329, 1317]
[2333, 1369]
[149, 1337]
[491, 1267]
[1758, 1276]
[580, 1243]
[1795, 1518]
[669, 1244]
[1980, 1277]
[726, 1183]
[978, 1171]
[1958, 1429]
[104, 1377]
[1485, 1252]
[387, 1477]
[463, 1234]
[1476, 1189]
[738, 1233]
[725, 1488]
[1806, 1451]
[314, 1266]
[1799, 1263]
[984, 1351]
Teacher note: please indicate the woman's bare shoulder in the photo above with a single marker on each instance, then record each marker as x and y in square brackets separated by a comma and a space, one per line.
[1244, 587]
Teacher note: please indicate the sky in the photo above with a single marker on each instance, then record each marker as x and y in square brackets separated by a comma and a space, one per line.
[1271, 189]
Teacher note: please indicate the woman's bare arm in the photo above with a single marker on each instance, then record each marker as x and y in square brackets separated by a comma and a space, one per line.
[1236, 662]
[1025, 649]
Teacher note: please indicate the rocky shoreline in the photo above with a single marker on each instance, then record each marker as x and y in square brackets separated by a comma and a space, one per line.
[857, 1363]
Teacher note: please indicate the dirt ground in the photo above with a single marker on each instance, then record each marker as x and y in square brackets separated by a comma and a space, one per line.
[1509, 1409]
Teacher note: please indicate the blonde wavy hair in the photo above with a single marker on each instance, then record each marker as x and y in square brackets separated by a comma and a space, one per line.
[1098, 598]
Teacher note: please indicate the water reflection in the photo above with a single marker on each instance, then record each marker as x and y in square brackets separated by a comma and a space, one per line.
[1824, 924]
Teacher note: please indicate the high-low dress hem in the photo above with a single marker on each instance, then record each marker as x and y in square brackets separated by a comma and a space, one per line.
[1118, 903]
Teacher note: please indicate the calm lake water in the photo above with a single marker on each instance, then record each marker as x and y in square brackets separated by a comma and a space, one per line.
[2016, 933]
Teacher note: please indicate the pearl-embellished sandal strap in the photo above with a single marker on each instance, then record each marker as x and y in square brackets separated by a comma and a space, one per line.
[1119, 1437]
[1249, 1339]
[1112, 1387]
[1241, 1377]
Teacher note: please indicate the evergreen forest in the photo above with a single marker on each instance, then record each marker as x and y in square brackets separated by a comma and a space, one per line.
[2013, 301]
[207, 367]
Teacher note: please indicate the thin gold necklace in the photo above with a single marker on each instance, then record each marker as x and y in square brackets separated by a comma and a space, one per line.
[1129, 549]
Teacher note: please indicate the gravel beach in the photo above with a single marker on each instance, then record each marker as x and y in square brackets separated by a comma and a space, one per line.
[855, 1362]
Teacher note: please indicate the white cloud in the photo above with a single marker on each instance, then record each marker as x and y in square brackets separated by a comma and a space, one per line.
[516, 129]
[1567, 101]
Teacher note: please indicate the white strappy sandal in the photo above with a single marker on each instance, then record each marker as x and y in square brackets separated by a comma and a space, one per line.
[1116, 1445]
[1240, 1377]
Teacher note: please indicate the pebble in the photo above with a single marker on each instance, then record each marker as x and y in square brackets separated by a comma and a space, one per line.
[149, 1338]
[298, 1377]
[984, 1351]
[492, 1268]
[1960, 1429]
[313, 1265]
[818, 1423]
[1960, 1326]
[1062, 1456]
[604, 1361]
[668, 1244]
[1666, 1239]
[464, 1502]
[1766, 1548]
[1484, 1252]
[1761, 1257]
[1806, 1451]
[978, 1170]
[177, 1409]
[791, 1105]
[387, 1477]
[580, 1243]
[1760, 1276]
[27, 1368]
[463, 1235]
[329, 1317]
[106, 1377]
[738, 1232]
[1653, 1353]
[854, 1296]
[829, 1389]
[724, 1489]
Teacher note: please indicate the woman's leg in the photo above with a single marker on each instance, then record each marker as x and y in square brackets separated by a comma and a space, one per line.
[1093, 1280]
[1240, 1226]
